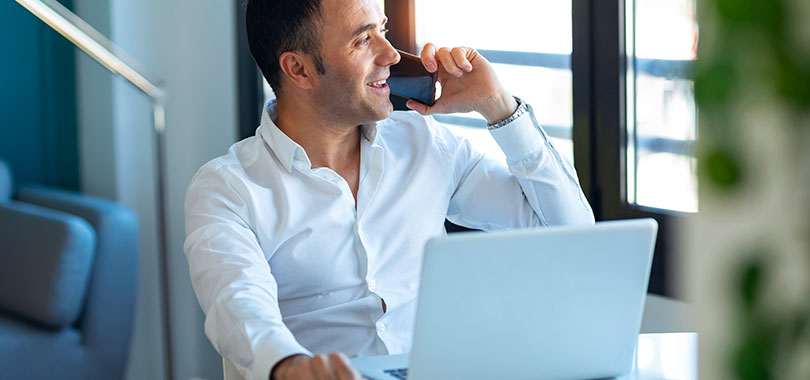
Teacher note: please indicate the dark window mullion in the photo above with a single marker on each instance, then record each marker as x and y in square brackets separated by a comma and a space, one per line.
[600, 133]
[583, 104]
[250, 96]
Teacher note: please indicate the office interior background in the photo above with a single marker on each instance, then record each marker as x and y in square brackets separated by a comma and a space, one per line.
[613, 83]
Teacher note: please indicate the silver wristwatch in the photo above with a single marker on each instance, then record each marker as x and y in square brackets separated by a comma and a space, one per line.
[521, 109]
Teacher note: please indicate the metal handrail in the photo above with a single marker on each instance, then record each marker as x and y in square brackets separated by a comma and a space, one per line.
[118, 62]
[94, 44]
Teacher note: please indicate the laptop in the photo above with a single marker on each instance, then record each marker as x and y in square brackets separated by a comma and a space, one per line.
[552, 303]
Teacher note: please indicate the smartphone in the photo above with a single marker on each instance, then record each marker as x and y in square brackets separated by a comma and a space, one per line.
[409, 79]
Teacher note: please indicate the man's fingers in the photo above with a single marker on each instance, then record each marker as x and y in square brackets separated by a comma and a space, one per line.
[429, 57]
[422, 108]
[460, 57]
[319, 367]
[425, 109]
[342, 367]
[416, 106]
[448, 63]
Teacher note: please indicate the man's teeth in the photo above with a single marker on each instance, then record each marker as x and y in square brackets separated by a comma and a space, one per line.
[377, 83]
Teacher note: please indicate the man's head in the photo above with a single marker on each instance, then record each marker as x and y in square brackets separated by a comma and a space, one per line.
[278, 26]
[329, 54]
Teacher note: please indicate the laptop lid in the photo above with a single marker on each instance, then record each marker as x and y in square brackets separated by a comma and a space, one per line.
[550, 303]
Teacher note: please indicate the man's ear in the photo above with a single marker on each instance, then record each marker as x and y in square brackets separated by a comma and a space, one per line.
[296, 69]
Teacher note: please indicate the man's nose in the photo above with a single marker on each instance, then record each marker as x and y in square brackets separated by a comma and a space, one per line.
[389, 56]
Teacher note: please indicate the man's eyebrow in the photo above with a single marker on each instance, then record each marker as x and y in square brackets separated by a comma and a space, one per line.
[366, 27]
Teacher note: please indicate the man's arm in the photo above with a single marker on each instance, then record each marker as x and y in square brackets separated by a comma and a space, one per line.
[487, 191]
[231, 277]
[236, 288]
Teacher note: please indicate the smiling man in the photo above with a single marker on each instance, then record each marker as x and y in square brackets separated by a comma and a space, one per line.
[305, 241]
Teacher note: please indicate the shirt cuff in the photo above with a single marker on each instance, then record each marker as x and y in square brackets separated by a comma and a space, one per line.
[268, 353]
[519, 138]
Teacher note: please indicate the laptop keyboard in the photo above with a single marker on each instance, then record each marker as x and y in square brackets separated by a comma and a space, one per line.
[399, 373]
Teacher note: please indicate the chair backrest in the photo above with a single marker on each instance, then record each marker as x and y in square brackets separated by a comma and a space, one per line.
[45, 264]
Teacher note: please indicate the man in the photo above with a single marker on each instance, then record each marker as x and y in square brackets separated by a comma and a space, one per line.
[307, 238]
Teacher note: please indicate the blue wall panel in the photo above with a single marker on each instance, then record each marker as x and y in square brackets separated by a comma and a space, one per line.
[38, 135]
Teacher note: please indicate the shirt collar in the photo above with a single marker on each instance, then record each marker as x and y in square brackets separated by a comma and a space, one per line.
[284, 147]
[287, 150]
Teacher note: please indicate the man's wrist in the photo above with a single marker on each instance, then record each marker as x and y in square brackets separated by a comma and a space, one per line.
[499, 107]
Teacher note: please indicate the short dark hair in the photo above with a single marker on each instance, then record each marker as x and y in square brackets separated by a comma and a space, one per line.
[278, 26]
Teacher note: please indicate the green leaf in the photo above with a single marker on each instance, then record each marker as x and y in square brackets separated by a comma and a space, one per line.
[753, 358]
[751, 284]
[793, 84]
[767, 16]
[721, 168]
[715, 83]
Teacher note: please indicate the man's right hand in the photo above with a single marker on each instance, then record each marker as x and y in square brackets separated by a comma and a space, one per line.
[334, 366]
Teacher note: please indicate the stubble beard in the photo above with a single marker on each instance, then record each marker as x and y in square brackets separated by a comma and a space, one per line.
[356, 108]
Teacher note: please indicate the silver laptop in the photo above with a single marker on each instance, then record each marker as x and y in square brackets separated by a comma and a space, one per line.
[551, 303]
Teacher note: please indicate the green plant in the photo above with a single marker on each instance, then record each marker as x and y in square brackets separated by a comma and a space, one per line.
[755, 54]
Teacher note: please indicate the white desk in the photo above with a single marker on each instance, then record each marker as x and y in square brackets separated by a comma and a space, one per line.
[666, 348]
[670, 356]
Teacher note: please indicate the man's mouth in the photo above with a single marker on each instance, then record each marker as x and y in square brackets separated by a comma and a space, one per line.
[380, 84]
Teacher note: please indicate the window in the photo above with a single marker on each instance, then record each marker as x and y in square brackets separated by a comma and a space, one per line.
[536, 69]
[661, 115]
[576, 63]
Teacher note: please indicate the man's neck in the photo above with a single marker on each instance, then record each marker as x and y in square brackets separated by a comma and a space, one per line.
[327, 144]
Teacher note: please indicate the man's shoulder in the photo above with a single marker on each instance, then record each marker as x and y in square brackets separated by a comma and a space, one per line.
[228, 162]
[230, 168]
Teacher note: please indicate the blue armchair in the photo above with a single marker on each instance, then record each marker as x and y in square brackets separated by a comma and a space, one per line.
[68, 265]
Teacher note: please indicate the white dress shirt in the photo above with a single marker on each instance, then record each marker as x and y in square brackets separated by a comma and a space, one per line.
[282, 262]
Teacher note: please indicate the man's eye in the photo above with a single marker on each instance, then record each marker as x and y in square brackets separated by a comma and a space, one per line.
[367, 39]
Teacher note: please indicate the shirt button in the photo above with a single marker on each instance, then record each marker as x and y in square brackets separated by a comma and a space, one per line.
[382, 326]
[372, 284]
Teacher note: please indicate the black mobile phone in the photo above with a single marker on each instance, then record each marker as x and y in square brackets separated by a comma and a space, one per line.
[409, 79]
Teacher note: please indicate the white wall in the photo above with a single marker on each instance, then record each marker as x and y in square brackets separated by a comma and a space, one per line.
[190, 45]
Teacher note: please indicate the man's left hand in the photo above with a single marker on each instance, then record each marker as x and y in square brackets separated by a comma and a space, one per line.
[468, 84]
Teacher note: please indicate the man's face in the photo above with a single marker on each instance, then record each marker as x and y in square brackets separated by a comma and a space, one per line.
[356, 56]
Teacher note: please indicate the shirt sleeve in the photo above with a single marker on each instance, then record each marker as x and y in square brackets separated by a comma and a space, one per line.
[232, 279]
[536, 186]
